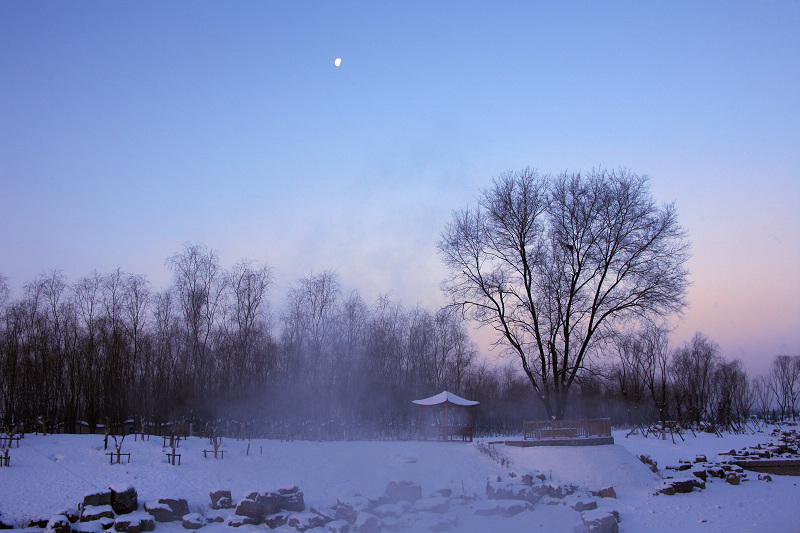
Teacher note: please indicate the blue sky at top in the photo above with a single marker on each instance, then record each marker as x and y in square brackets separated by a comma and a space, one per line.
[130, 128]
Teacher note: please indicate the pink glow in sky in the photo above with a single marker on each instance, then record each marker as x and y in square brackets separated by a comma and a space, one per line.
[127, 130]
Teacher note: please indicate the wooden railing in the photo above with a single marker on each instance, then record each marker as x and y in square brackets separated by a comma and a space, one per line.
[553, 429]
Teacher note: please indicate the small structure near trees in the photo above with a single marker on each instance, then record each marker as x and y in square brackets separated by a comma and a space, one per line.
[445, 416]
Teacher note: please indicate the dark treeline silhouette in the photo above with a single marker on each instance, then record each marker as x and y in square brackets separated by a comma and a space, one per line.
[209, 349]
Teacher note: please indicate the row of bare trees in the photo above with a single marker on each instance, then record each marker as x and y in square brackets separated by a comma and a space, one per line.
[694, 385]
[107, 348]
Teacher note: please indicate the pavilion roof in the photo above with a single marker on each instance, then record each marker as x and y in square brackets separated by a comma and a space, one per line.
[446, 397]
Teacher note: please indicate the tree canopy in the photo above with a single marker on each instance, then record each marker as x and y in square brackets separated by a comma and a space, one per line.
[556, 264]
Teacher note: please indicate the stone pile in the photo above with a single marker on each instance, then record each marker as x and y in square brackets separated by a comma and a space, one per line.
[782, 445]
[686, 476]
[112, 510]
[521, 493]
[402, 506]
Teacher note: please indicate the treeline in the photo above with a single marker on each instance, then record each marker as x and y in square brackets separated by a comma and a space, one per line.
[107, 348]
[691, 386]
[210, 347]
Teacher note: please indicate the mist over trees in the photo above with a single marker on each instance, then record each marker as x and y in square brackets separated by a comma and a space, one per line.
[557, 265]
[107, 348]
[211, 348]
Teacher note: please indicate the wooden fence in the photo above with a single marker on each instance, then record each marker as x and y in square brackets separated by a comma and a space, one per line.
[552, 429]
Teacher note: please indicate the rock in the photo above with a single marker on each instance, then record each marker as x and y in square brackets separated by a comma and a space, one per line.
[291, 499]
[124, 499]
[443, 492]
[3, 524]
[608, 492]
[581, 506]
[72, 514]
[276, 520]
[666, 489]
[686, 485]
[391, 523]
[338, 526]
[305, 521]
[221, 499]
[58, 524]
[147, 523]
[161, 512]
[600, 521]
[194, 521]
[700, 459]
[432, 505]
[403, 490]
[348, 507]
[96, 512]
[504, 508]
[699, 473]
[251, 509]
[96, 499]
[89, 527]
[389, 510]
[511, 490]
[239, 521]
[764, 477]
[732, 478]
[367, 523]
[325, 512]
[127, 525]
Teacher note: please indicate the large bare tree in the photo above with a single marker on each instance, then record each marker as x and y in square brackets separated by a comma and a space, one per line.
[554, 264]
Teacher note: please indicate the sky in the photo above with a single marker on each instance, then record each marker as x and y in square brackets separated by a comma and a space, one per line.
[128, 129]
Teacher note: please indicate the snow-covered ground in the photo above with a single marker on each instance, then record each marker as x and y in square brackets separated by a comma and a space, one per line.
[50, 473]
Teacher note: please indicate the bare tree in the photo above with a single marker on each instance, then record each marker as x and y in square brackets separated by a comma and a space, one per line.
[692, 369]
[199, 285]
[762, 396]
[785, 383]
[554, 265]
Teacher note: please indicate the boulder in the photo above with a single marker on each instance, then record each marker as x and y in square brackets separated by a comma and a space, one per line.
[700, 473]
[98, 498]
[305, 521]
[389, 510]
[504, 508]
[291, 499]
[193, 521]
[221, 499]
[276, 520]
[96, 512]
[98, 526]
[666, 489]
[37, 521]
[733, 478]
[403, 490]
[125, 524]
[124, 499]
[686, 485]
[348, 507]
[764, 477]
[600, 521]
[581, 506]
[367, 523]
[58, 524]
[338, 526]
[162, 512]
[3, 524]
[512, 490]
[72, 514]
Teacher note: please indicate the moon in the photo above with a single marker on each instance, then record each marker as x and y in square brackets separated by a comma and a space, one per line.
[337, 61]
